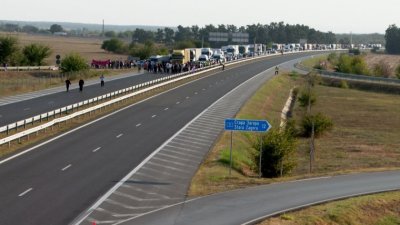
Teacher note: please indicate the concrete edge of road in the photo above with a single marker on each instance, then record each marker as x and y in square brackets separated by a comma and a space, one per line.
[98, 202]
[262, 218]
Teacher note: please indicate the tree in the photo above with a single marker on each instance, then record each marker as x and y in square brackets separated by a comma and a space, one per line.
[141, 35]
[8, 46]
[159, 35]
[30, 29]
[113, 45]
[398, 71]
[382, 69]
[392, 37]
[56, 28]
[169, 35]
[110, 34]
[73, 62]
[35, 54]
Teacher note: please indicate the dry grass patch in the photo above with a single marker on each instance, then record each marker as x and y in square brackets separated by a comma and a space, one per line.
[380, 209]
[365, 133]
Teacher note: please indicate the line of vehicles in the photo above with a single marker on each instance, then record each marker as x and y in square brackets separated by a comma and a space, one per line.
[233, 52]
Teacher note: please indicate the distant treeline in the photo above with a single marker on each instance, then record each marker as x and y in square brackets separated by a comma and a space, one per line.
[374, 38]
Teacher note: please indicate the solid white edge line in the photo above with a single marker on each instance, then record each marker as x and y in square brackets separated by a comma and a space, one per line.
[260, 219]
[122, 181]
[25, 192]
[138, 125]
[65, 168]
[153, 116]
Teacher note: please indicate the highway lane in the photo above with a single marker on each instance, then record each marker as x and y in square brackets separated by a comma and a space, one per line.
[57, 181]
[251, 205]
[24, 109]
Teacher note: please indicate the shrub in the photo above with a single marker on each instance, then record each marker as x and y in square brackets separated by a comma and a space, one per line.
[398, 71]
[307, 96]
[35, 54]
[321, 124]
[278, 153]
[382, 69]
[73, 62]
[344, 84]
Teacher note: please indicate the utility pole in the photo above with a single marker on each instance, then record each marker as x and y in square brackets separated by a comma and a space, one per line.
[102, 32]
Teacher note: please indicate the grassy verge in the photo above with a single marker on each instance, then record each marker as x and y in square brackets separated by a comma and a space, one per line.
[312, 61]
[364, 137]
[213, 175]
[379, 209]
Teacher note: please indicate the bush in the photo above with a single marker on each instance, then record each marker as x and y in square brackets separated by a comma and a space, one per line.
[307, 96]
[355, 51]
[321, 124]
[344, 84]
[73, 62]
[278, 152]
[382, 69]
[35, 54]
[398, 71]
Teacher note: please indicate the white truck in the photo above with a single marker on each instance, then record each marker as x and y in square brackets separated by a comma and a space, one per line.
[218, 55]
[206, 54]
[232, 52]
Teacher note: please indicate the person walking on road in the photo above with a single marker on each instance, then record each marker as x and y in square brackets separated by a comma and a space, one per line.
[81, 83]
[276, 70]
[67, 84]
[102, 80]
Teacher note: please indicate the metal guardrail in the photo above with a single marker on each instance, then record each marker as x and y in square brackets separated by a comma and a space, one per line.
[21, 68]
[349, 76]
[133, 90]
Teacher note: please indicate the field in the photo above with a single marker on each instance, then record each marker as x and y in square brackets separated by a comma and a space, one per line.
[89, 48]
[364, 137]
[13, 82]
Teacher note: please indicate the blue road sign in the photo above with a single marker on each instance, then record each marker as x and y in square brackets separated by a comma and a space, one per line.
[247, 125]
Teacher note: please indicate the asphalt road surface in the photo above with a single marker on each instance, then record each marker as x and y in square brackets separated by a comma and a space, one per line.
[55, 182]
[251, 205]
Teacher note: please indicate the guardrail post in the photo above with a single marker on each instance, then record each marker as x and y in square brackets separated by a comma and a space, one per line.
[40, 117]
[47, 116]
[24, 124]
[8, 130]
[16, 127]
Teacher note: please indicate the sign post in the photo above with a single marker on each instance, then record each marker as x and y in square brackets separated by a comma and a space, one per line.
[246, 125]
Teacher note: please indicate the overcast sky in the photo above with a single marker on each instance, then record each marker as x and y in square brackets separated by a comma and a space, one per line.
[338, 16]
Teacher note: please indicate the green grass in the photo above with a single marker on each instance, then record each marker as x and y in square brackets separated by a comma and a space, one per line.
[312, 61]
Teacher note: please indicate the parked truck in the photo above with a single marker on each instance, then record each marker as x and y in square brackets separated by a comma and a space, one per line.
[195, 54]
[232, 52]
[180, 56]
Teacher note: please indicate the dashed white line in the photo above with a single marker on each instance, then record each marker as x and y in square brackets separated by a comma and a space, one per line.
[204, 89]
[138, 125]
[119, 135]
[195, 93]
[95, 150]
[25, 192]
[187, 97]
[178, 103]
[153, 116]
[65, 168]
[26, 109]
[164, 110]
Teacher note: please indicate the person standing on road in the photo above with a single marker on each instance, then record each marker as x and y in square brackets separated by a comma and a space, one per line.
[67, 84]
[276, 70]
[81, 83]
[102, 80]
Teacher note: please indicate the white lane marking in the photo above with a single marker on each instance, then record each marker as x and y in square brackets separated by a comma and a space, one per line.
[65, 168]
[153, 116]
[119, 135]
[178, 103]
[195, 93]
[25, 192]
[187, 97]
[204, 89]
[164, 110]
[26, 109]
[95, 150]
[138, 125]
